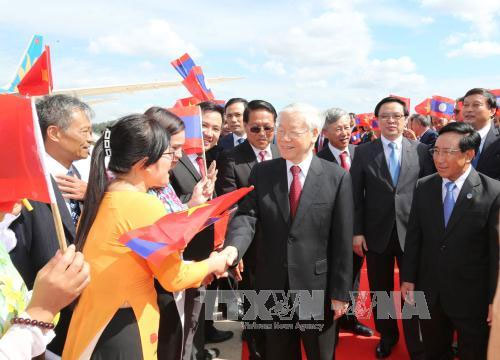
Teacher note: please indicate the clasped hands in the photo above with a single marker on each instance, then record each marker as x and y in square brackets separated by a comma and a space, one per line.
[219, 263]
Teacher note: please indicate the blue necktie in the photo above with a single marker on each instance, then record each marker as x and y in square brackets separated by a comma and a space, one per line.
[449, 202]
[394, 166]
[240, 141]
[74, 205]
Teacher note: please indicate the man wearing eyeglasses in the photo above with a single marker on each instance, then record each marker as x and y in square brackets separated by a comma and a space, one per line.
[479, 108]
[451, 248]
[384, 173]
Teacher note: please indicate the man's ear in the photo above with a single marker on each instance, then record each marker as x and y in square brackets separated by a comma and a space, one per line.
[469, 155]
[53, 133]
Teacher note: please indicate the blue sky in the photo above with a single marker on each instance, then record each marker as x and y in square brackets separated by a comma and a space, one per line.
[341, 53]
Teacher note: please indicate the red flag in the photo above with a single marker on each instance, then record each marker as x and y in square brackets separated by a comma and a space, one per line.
[22, 172]
[174, 231]
[424, 108]
[38, 81]
[496, 92]
[220, 228]
[364, 119]
[405, 100]
[189, 101]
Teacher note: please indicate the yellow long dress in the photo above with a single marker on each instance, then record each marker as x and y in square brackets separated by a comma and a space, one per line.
[121, 278]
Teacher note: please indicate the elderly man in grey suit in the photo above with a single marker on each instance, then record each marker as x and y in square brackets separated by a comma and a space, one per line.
[384, 173]
[303, 206]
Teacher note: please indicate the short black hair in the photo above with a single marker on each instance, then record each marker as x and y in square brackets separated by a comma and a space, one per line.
[471, 138]
[211, 106]
[235, 101]
[258, 105]
[390, 99]
[171, 122]
[491, 99]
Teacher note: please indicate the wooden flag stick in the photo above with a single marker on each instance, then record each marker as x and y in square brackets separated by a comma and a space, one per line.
[61, 238]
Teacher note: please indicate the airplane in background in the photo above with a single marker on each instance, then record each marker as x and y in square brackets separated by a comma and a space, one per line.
[34, 50]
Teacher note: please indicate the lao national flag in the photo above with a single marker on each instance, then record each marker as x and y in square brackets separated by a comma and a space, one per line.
[374, 124]
[442, 107]
[355, 137]
[38, 80]
[174, 231]
[197, 89]
[191, 116]
[404, 99]
[496, 92]
[183, 65]
[424, 108]
[22, 174]
[363, 119]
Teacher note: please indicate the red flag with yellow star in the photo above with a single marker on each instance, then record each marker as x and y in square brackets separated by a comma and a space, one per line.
[174, 231]
[38, 81]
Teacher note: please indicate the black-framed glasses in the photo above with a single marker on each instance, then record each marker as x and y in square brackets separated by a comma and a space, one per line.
[258, 129]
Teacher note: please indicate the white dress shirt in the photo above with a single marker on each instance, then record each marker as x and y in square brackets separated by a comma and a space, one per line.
[459, 183]
[388, 150]
[236, 138]
[55, 168]
[268, 156]
[336, 153]
[304, 168]
[483, 133]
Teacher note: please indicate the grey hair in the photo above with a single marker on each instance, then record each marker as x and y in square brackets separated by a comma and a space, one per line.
[309, 112]
[333, 115]
[423, 120]
[57, 109]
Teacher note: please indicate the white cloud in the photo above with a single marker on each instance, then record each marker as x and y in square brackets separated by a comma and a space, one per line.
[156, 38]
[275, 67]
[477, 49]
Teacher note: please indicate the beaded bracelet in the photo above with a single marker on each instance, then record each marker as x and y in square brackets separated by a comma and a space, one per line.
[40, 324]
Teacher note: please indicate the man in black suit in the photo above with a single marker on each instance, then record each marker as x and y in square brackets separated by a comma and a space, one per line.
[303, 207]
[233, 116]
[478, 110]
[384, 173]
[337, 129]
[184, 177]
[421, 126]
[67, 134]
[451, 248]
[234, 170]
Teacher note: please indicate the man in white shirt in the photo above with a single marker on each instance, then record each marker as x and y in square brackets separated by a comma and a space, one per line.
[233, 116]
[478, 110]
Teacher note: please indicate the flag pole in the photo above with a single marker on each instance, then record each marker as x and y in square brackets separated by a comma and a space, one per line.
[61, 238]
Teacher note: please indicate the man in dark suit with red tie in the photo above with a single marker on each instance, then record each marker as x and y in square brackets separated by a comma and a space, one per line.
[451, 248]
[337, 129]
[303, 206]
[479, 108]
[384, 173]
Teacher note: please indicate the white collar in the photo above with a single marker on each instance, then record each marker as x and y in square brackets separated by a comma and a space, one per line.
[257, 151]
[484, 131]
[398, 141]
[236, 137]
[461, 179]
[337, 152]
[304, 165]
[55, 167]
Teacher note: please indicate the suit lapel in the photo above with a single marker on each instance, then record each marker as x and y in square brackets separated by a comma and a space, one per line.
[66, 219]
[436, 203]
[491, 137]
[189, 165]
[249, 155]
[312, 185]
[381, 163]
[279, 179]
[352, 149]
[408, 160]
[467, 193]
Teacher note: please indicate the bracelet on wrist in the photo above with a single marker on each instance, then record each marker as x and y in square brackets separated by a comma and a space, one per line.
[30, 322]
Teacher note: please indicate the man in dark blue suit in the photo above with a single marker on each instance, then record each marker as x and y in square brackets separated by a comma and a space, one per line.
[421, 126]
[233, 116]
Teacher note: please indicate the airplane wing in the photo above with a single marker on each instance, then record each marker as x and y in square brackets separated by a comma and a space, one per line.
[131, 88]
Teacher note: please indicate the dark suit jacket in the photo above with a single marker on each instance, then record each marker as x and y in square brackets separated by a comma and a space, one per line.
[235, 165]
[226, 142]
[459, 264]
[429, 137]
[312, 252]
[316, 144]
[327, 154]
[183, 178]
[489, 159]
[378, 204]
[36, 245]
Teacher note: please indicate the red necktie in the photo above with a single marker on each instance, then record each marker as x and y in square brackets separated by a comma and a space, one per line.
[343, 160]
[320, 142]
[295, 190]
[262, 155]
[201, 165]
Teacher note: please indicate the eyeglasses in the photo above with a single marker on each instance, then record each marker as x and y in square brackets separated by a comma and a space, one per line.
[444, 152]
[168, 154]
[291, 134]
[386, 117]
[258, 129]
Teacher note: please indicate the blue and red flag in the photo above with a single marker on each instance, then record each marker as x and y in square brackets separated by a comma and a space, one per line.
[183, 65]
[496, 92]
[38, 80]
[355, 137]
[442, 107]
[363, 119]
[424, 108]
[191, 116]
[174, 231]
[195, 83]
[374, 124]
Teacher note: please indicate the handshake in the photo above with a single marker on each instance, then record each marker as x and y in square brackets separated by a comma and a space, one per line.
[219, 263]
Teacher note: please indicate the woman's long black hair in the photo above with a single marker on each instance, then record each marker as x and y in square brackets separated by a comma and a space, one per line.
[132, 138]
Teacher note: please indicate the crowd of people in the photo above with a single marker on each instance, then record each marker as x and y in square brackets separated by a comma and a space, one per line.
[421, 192]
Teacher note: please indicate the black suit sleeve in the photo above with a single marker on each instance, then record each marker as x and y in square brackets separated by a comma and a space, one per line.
[358, 192]
[426, 162]
[341, 234]
[241, 229]
[413, 242]
[493, 235]
[226, 177]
